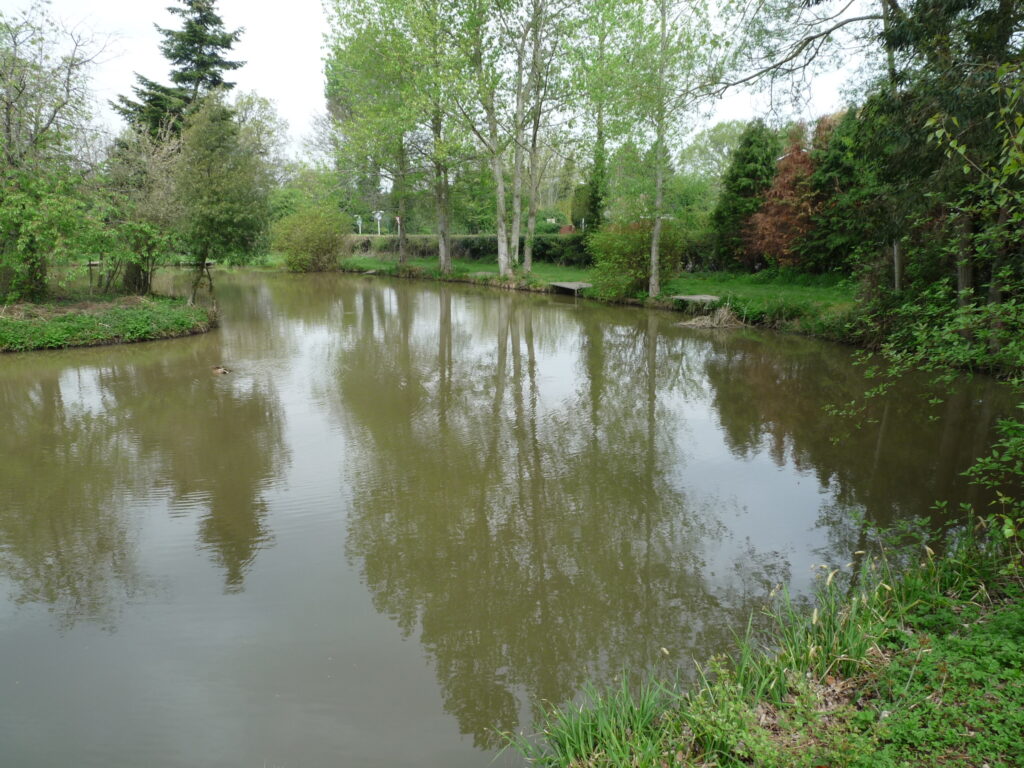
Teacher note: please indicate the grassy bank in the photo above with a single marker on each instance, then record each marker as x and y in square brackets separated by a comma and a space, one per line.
[464, 270]
[908, 658]
[816, 304]
[110, 320]
[774, 298]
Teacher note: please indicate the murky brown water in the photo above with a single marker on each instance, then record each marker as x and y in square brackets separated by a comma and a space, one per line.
[410, 513]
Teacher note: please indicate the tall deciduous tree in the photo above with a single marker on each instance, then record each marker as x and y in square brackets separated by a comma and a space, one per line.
[147, 211]
[673, 48]
[43, 113]
[598, 57]
[426, 74]
[370, 97]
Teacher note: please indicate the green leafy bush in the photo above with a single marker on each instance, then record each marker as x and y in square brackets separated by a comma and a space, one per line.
[621, 261]
[313, 239]
[622, 257]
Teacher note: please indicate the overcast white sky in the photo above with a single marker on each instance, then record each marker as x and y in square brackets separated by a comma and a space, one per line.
[282, 47]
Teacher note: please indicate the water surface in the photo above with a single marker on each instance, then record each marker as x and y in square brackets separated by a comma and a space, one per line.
[411, 513]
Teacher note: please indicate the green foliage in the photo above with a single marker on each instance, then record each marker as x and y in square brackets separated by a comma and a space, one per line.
[549, 222]
[42, 213]
[567, 250]
[145, 212]
[156, 107]
[845, 193]
[621, 262]
[616, 727]
[596, 187]
[312, 239]
[621, 257]
[750, 173]
[42, 189]
[223, 185]
[707, 153]
[196, 51]
[473, 201]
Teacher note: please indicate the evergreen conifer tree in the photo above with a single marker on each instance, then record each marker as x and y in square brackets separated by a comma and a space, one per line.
[750, 173]
[197, 55]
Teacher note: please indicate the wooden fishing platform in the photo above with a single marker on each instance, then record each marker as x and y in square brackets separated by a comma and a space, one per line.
[697, 298]
[573, 288]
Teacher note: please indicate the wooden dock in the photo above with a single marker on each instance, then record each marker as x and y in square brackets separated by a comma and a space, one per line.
[697, 298]
[573, 288]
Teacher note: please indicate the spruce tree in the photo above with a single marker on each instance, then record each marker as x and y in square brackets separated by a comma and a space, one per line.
[197, 50]
[197, 55]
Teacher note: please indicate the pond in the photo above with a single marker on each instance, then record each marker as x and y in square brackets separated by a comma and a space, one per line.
[411, 513]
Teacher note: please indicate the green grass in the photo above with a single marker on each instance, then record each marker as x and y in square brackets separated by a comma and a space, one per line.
[911, 659]
[771, 297]
[53, 326]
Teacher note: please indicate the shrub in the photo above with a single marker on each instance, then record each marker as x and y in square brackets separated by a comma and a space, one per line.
[622, 256]
[312, 239]
[621, 260]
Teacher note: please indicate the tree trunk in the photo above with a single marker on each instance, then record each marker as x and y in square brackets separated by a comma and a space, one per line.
[30, 281]
[897, 266]
[654, 287]
[536, 92]
[531, 223]
[498, 170]
[444, 256]
[197, 277]
[889, 52]
[136, 279]
[995, 289]
[441, 200]
[401, 194]
[518, 126]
